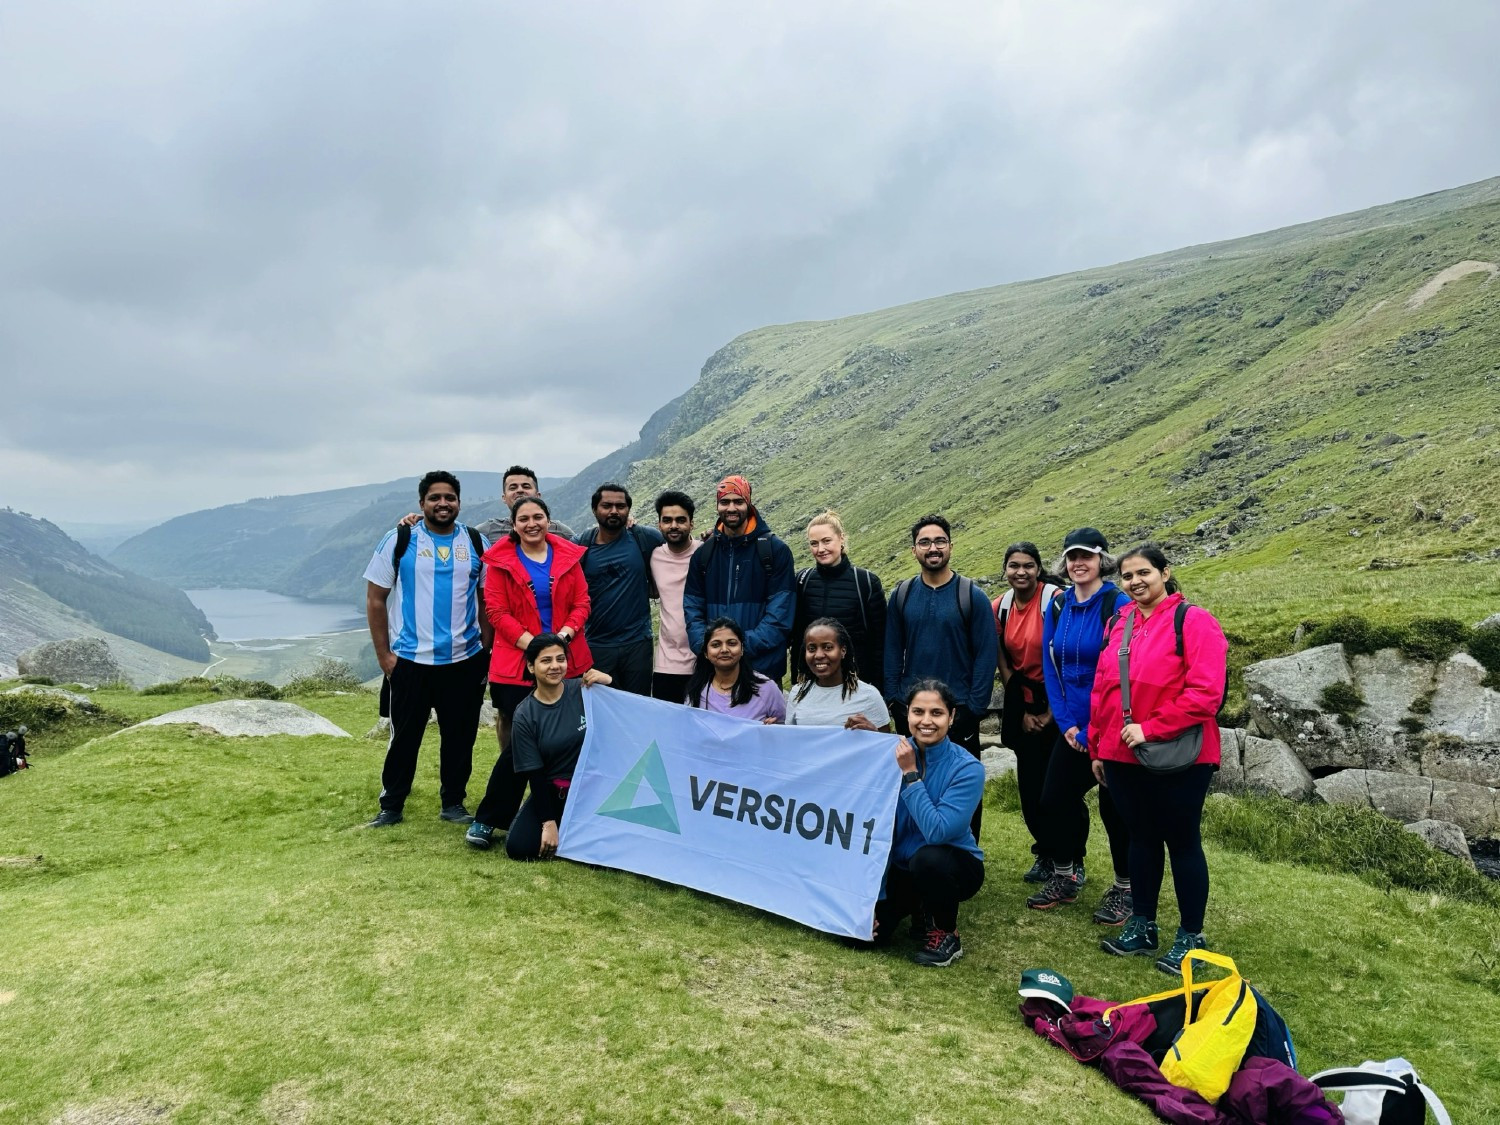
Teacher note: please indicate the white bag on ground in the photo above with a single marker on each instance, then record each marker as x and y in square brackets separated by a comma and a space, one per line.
[1382, 1093]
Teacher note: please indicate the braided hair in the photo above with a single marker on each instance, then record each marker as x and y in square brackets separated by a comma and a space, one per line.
[848, 666]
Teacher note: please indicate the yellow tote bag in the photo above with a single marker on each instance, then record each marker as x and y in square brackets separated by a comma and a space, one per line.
[1209, 1048]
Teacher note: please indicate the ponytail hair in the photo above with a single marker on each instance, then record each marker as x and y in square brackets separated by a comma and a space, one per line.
[1157, 558]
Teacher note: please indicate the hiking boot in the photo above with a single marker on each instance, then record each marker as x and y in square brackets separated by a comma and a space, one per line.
[1114, 908]
[942, 949]
[1081, 874]
[480, 835]
[1170, 962]
[1138, 938]
[385, 818]
[1059, 890]
[1038, 872]
[455, 814]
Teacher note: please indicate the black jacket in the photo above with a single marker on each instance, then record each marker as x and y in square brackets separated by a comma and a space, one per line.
[853, 596]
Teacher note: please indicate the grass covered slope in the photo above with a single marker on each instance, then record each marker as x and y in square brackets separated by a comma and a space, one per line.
[208, 936]
[1278, 409]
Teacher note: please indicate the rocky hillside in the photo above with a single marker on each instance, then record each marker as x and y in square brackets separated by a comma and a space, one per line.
[1309, 418]
[52, 588]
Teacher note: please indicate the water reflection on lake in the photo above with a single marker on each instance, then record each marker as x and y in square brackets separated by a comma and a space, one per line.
[244, 615]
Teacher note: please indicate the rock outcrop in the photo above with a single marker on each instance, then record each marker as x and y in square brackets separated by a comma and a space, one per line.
[1399, 715]
[253, 717]
[1410, 798]
[1263, 765]
[1445, 836]
[82, 660]
[72, 698]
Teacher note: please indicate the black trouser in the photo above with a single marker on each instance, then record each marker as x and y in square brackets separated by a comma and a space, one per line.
[1033, 750]
[628, 666]
[1165, 814]
[453, 691]
[503, 793]
[937, 878]
[1065, 818]
[669, 686]
[964, 732]
[524, 840]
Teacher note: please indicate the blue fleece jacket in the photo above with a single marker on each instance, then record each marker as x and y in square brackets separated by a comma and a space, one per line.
[938, 808]
[1070, 653]
[927, 637]
[725, 578]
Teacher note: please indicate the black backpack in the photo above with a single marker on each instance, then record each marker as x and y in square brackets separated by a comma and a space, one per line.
[964, 593]
[860, 591]
[13, 752]
[590, 539]
[403, 541]
[1107, 616]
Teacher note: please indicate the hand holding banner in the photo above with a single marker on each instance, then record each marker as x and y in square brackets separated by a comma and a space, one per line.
[794, 820]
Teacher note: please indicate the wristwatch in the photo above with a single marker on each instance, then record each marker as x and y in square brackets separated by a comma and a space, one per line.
[909, 776]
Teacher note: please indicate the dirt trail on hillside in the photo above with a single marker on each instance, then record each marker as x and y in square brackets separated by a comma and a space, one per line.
[1452, 273]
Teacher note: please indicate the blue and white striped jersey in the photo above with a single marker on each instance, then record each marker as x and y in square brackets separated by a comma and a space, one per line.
[434, 604]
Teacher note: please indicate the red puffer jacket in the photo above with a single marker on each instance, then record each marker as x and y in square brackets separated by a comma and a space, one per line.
[511, 606]
[1168, 693]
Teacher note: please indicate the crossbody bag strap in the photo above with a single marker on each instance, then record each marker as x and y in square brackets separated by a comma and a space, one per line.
[1125, 669]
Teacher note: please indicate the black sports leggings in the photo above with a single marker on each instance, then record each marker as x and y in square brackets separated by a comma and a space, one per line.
[1165, 814]
[1065, 827]
[937, 878]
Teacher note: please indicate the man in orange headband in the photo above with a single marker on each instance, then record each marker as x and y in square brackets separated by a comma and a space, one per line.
[746, 573]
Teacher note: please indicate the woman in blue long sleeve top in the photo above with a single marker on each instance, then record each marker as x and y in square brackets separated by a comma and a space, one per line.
[935, 862]
[1072, 634]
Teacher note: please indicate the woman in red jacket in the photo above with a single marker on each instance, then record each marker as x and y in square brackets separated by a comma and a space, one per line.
[1176, 656]
[533, 583]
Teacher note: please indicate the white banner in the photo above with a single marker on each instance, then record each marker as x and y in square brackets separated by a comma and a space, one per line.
[794, 820]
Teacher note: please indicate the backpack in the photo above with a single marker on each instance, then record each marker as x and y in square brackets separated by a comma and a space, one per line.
[862, 593]
[1383, 1093]
[1179, 615]
[13, 752]
[1215, 1031]
[1107, 616]
[403, 541]
[964, 593]
[644, 546]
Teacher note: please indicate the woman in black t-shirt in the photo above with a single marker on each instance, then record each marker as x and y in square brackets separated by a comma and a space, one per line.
[546, 736]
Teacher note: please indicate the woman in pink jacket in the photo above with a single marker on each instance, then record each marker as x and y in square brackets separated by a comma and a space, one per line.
[1176, 655]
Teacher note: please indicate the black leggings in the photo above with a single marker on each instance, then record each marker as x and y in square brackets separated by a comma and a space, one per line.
[1033, 751]
[1165, 814]
[503, 793]
[524, 840]
[1065, 831]
[937, 878]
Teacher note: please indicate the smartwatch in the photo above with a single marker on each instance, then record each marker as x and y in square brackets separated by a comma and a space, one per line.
[909, 776]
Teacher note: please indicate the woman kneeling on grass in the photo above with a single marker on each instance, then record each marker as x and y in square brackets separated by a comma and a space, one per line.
[546, 736]
[935, 863]
[723, 681]
[1175, 655]
[834, 695]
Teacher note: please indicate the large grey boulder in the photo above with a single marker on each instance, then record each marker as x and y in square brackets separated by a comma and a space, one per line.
[82, 660]
[1347, 787]
[1400, 796]
[1286, 696]
[1463, 708]
[1231, 773]
[1269, 765]
[1443, 835]
[1474, 808]
[72, 698]
[1409, 798]
[252, 717]
[997, 760]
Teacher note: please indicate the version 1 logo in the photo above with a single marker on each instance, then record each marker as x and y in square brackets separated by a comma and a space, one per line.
[621, 803]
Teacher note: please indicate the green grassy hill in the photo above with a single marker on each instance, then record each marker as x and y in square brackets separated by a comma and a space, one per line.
[1276, 409]
[206, 937]
[51, 588]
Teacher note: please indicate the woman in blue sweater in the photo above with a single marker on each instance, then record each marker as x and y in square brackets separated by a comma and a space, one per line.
[935, 863]
[1072, 634]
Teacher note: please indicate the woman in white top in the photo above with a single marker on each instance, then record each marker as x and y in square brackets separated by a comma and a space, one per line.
[834, 696]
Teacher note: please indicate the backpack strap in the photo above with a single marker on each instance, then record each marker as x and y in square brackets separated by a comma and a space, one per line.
[763, 548]
[1055, 608]
[1179, 615]
[802, 576]
[645, 547]
[965, 595]
[861, 595]
[898, 601]
[476, 541]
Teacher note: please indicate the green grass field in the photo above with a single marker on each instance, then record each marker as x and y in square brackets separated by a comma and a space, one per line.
[207, 937]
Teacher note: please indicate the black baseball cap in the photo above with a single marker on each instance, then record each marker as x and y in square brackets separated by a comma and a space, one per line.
[1086, 539]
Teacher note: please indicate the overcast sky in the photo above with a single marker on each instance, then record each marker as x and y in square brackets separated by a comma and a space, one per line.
[251, 247]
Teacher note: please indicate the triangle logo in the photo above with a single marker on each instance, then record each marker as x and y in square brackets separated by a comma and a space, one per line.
[621, 803]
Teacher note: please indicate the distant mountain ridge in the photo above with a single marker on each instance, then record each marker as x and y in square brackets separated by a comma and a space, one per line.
[52, 588]
[312, 545]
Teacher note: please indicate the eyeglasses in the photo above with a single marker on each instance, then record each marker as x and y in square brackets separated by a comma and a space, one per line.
[940, 541]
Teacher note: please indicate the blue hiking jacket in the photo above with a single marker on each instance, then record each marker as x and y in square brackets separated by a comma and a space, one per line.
[738, 587]
[1070, 653]
[938, 808]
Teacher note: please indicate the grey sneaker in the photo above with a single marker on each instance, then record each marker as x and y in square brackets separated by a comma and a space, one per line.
[1114, 908]
[455, 814]
[1170, 962]
[1138, 938]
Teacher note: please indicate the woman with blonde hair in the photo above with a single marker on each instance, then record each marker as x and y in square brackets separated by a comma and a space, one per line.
[835, 587]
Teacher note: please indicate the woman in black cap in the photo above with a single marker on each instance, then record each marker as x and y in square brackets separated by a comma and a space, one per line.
[1072, 631]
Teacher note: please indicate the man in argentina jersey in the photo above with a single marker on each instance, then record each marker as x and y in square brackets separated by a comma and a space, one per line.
[426, 615]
